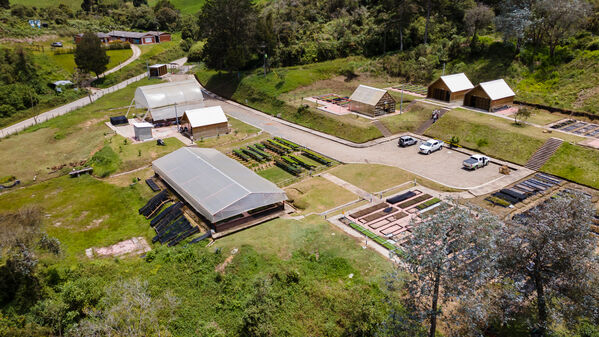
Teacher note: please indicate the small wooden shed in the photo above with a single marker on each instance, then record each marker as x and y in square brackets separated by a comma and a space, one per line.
[490, 96]
[158, 70]
[371, 101]
[205, 122]
[450, 88]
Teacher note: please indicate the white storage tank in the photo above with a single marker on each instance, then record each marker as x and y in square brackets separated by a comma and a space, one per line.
[143, 131]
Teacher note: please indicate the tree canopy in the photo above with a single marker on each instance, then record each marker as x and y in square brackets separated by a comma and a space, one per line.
[90, 56]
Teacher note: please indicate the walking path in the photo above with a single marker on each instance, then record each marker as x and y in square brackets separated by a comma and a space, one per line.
[61, 110]
[135, 56]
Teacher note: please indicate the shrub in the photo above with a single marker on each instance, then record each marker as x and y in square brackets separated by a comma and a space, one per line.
[105, 162]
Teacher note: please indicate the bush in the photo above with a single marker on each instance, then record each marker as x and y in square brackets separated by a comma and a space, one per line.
[105, 162]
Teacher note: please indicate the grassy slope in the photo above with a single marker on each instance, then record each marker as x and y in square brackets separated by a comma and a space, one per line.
[75, 4]
[316, 195]
[411, 119]
[264, 93]
[67, 61]
[576, 163]
[64, 139]
[497, 137]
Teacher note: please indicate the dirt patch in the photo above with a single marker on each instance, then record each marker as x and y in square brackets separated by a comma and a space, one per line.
[95, 223]
[221, 267]
[133, 246]
[91, 122]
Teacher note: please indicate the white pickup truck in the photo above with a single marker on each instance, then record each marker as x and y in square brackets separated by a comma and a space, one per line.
[476, 161]
[430, 146]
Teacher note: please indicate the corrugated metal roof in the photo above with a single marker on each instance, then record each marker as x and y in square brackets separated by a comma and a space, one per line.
[497, 89]
[217, 186]
[457, 82]
[206, 116]
[367, 95]
[121, 33]
[168, 93]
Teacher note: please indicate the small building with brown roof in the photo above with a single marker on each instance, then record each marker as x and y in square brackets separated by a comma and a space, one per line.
[490, 96]
[371, 101]
[450, 88]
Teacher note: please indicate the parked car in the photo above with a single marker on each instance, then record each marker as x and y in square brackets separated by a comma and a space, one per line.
[430, 146]
[56, 44]
[406, 141]
[476, 161]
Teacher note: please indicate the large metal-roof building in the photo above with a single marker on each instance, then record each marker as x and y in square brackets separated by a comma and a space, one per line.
[371, 101]
[490, 96]
[216, 186]
[450, 88]
[169, 100]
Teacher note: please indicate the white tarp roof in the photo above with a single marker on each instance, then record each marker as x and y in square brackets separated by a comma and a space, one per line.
[215, 185]
[143, 125]
[206, 116]
[169, 93]
[367, 95]
[497, 89]
[457, 82]
[173, 111]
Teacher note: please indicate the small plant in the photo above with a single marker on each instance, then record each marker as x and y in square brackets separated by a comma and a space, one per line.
[126, 141]
[139, 153]
[120, 149]
[454, 141]
[482, 142]
[521, 115]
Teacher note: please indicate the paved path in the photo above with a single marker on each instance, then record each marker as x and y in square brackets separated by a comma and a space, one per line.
[443, 167]
[352, 188]
[135, 56]
[61, 110]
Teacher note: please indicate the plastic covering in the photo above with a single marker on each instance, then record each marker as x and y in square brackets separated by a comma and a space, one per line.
[215, 185]
[367, 95]
[457, 82]
[166, 94]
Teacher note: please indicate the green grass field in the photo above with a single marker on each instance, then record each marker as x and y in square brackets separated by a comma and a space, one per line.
[67, 61]
[411, 119]
[65, 139]
[577, 163]
[494, 136]
[273, 94]
[276, 174]
[74, 4]
[375, 178]
[316, 195]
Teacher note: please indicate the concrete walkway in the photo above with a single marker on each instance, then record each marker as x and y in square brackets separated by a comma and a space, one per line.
[61, 110]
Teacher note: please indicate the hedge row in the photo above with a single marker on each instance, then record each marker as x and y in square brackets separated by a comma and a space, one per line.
[288, 143]
[274, 148]
[241, 155]
[253, 154]
[280, 145]
[302, 162]
[498, 201]
[287, 167]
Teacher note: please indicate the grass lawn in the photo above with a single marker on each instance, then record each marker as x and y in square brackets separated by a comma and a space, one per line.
[241, 134]
[316, 195]
[67, 61]
[275, 174]
[494, 136]
[375, 177]
[62, 140]
[151, 53]
[276, 94]
[409, 120]
[544, 117]
[84, 212]
[74, 4]
[577, 163]
[137, 155]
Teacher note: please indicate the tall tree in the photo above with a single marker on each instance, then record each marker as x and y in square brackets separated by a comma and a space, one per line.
[88, 5]
[513, 22]
[90, 56]
[4, 4]
[560, 19]
[477, 18]
[428, 19]
[229, 28]
[548, 253]
[450, 256]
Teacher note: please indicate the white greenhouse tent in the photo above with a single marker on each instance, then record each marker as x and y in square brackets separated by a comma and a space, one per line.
[169, 100]
[215, 185]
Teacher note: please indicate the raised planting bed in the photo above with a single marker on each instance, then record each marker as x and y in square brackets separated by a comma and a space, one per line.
[287, 167]
[315, 156]
[240, 155]
[562, 124]
[414, 201]
[274, 148]
[280, 145]
[378, 215]
[428, 203]
[505, 197]
[368, 210]
[302, 162]
[288, 143]
[290, 161]
[252, 155]
[401, 197]
[260, 152]
[381, 241]
[498, 201]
